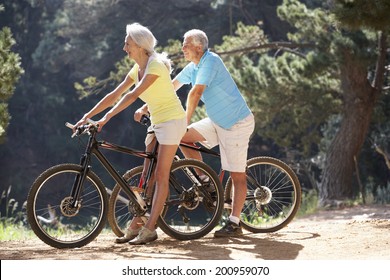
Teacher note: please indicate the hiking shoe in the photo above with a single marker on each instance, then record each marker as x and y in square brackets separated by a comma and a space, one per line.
[230, 229]
[144, 236]
[130, 234]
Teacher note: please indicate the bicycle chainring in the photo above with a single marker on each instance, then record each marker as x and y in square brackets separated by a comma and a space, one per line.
[190, 199]
[136, 210]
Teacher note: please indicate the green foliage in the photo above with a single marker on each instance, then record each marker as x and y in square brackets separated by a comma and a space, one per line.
[10, 72]
[12, 218]
[290, 97]
[356, 14]
[173, 49]
[245, 36]
[10, 231]
[10, 210]
[309, 203]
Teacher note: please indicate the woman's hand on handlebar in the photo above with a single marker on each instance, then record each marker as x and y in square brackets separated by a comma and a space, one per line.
[141, 112]
[100, 123]
[81, 122]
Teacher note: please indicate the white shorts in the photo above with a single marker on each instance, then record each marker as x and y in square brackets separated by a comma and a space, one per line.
[233, 143]
[167, 133]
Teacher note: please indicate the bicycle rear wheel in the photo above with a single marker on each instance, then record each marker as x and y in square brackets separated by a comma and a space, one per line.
[51, 214]
[119, 214]
[273, 195]
[191, 210]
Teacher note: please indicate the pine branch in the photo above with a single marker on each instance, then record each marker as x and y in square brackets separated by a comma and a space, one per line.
[274, 45]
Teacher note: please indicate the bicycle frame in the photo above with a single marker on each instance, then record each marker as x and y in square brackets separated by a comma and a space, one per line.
[221, 174]
[204, 150]
[92, 148]
[145, 120]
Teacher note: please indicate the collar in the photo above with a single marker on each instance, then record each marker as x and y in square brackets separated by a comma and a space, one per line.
[206, 53]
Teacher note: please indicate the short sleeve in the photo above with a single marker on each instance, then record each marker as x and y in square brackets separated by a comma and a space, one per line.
[155, 68]
[207, 72]
[184, 77]
[133, 72]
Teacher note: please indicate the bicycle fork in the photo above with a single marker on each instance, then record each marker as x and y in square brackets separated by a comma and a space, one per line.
[80, 178]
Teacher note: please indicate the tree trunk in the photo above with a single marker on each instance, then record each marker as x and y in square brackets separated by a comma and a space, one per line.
[359, 100]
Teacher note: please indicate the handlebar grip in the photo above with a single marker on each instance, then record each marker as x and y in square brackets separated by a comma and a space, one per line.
[145, 120]
[69, 125]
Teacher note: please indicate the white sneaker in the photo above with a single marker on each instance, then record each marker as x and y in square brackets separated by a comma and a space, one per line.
[130, 234]
[144, 236]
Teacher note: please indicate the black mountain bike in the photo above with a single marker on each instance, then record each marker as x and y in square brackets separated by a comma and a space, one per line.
[67, 205]
[272, 201]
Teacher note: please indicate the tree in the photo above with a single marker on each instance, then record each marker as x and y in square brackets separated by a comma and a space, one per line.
[295, 94]
[347, 57]
[280, 87]
[362, 71]
[10, 72]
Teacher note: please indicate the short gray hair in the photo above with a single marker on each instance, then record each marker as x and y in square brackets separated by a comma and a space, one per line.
[199, 38]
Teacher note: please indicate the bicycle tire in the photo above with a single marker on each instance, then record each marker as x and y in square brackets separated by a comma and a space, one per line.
[119, 215]
[191, 212]
[52, 218]
[273, 195]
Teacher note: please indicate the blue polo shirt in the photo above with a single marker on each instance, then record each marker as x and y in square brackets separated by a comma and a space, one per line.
[224, 103]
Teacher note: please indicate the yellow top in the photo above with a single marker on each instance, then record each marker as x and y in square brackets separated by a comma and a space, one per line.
[163, 103]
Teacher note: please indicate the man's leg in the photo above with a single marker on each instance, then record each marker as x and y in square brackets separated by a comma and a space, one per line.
[192, 136]
[239, 193]
[232, 228]
[234, 150]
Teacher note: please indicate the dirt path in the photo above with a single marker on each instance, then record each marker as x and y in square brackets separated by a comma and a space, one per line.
[350, 234]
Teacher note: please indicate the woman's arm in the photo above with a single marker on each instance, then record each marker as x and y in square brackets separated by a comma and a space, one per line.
[128, 98]
[108, 100]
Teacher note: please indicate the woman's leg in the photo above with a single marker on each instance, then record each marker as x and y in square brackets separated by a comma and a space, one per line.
[137, 222]
[166, 154]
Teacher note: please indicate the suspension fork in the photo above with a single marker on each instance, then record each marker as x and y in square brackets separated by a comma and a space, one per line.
[85, 164]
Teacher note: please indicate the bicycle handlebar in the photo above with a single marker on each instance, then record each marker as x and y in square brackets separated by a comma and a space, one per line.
[91, 125]
[145, 120]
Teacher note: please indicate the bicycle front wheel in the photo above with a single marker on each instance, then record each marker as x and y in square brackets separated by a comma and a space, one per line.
[53, 216]
[191, 210]
[273, 195]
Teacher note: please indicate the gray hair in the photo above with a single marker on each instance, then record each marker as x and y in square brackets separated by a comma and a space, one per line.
[199, 38]
[145, 39]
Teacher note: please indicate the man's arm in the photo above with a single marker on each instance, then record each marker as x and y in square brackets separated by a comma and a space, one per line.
[193, 99]
[176, 84]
